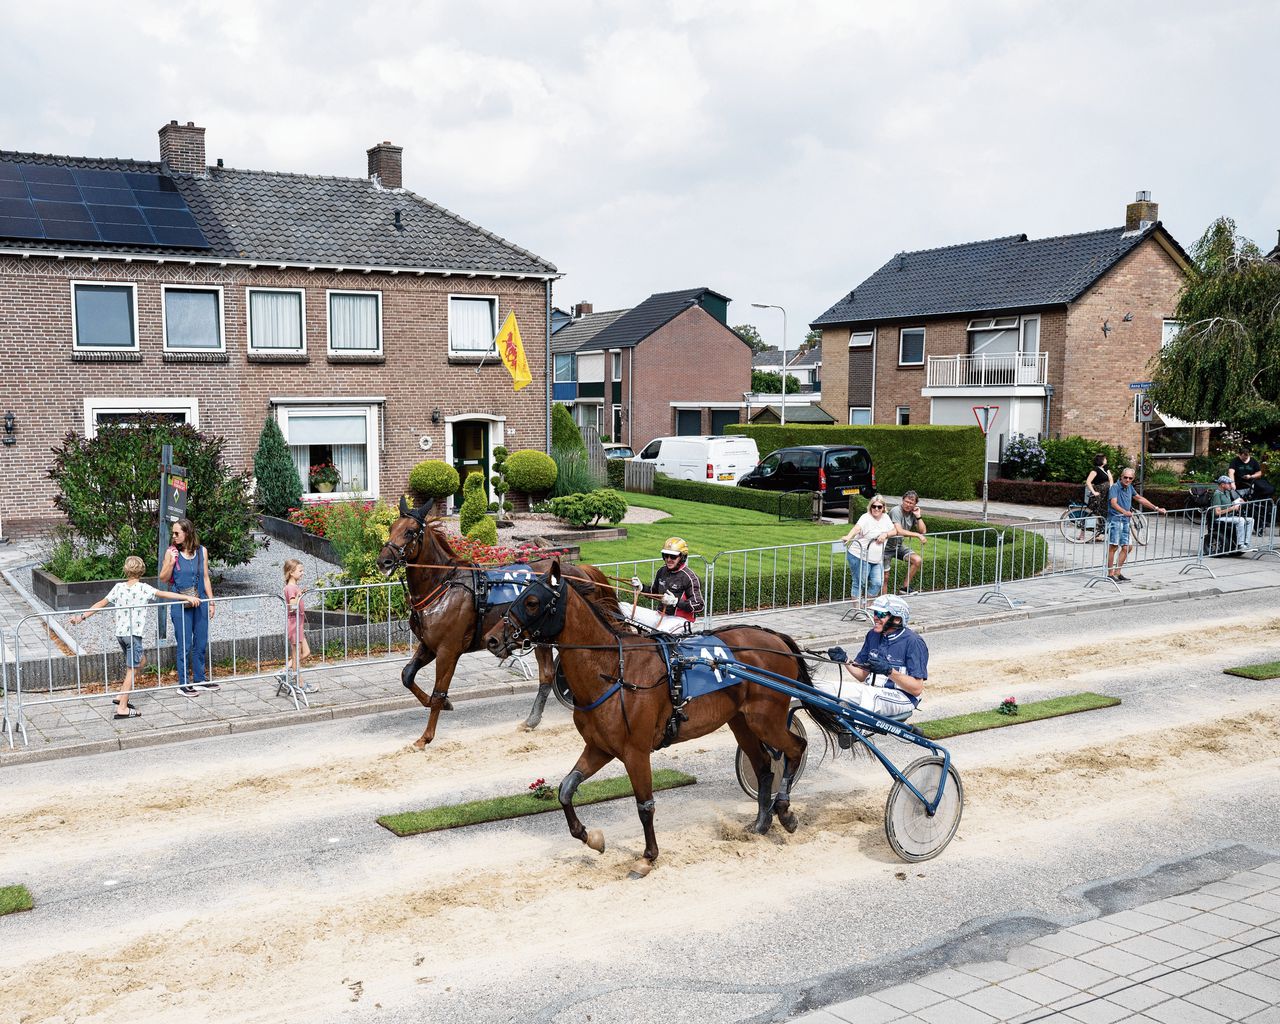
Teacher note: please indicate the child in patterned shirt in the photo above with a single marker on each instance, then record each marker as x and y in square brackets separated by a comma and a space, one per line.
[130, 599]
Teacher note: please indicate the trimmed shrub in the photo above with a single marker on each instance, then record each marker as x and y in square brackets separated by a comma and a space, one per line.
[589, 508]
[935, 461]
[530, 471]
[564, 432]
[277, 487]
[1069, 459]
[474, 501]
[616, 469]
[795, 505]
[1059, 495]
[484, 531]
[432, 480]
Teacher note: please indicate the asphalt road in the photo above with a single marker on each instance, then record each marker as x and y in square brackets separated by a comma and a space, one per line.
[516, 921]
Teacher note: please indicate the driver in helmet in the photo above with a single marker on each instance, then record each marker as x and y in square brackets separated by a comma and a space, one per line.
[893, 664]
[678, 590]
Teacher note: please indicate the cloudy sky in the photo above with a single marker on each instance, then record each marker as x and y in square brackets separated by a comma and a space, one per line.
[775, 152]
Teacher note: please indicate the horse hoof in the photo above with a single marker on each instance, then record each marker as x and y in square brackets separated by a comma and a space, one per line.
[529, 726]
[419, 744]
[595, 840]
[640, 869]
[789, 821]
[758, 828]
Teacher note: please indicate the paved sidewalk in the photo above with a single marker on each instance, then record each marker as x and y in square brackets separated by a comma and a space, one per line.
[1206, 955]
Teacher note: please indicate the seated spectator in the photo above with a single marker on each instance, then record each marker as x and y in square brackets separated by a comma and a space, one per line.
[1226, 508]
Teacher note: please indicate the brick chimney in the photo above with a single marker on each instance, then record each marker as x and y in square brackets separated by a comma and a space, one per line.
[1141, 213]
[182, 148]
[582, 309]
[384, 164]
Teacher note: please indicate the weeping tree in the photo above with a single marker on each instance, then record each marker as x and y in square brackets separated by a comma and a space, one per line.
[1224, 364]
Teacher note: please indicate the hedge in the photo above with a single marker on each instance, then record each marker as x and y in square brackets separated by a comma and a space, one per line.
[797, 505]
[935, 461]
[1059, 495]
[617, 472]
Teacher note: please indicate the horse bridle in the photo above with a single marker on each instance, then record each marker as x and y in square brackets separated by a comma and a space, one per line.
[525, 630]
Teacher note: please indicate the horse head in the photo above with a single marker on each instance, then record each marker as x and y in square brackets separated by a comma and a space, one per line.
[537, 615]
[404, 540]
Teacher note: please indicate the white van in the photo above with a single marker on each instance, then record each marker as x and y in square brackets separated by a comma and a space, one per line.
[711, 459]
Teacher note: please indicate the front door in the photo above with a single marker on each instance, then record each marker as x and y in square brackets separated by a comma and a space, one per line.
[470, 453]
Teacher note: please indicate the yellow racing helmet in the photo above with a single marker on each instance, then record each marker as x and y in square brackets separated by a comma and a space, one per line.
[676, 546]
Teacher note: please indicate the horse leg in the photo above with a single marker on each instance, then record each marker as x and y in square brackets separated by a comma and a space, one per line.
[763, 764]
[792, 748]
[446, 662]
[590, 761]
[546, 666]
[640, 772]
[422, 656]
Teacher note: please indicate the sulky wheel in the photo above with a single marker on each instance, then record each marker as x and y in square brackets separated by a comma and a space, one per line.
[913, 834]
[560, 685]
[747, 774]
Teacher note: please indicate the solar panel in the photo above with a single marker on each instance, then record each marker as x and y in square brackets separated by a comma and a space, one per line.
[91, 204]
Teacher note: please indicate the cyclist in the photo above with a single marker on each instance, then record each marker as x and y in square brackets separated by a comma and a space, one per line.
[677, 588]
[1097, 485]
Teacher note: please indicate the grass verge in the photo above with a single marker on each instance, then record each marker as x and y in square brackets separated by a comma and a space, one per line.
[958, 725]
[1263, 670]
[434, 819]
[14, 898]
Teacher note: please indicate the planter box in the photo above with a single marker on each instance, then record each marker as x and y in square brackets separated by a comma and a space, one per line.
[295, 536]
[63, 596]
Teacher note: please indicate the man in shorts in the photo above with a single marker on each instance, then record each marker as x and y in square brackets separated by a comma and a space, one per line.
[908, 521]
[1120, 501]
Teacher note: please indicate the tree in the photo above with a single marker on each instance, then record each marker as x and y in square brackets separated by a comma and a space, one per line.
[766, 382]
[278, 487]
[1223, 366]
[811, 340]
[749, 334]
[565, 434]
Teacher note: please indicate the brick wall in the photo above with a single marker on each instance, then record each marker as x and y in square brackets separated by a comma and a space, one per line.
[693, 358]
[46, 389]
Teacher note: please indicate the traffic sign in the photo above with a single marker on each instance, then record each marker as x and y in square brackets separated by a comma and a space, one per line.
[986, 415]
[1145, 408]
[1139, 385]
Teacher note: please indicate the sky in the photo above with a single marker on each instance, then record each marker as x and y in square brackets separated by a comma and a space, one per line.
[778, 153]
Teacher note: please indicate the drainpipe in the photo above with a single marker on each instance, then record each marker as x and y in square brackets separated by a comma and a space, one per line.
[547, 366]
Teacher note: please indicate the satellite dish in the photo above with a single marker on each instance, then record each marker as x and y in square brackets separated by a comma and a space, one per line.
[424, 442]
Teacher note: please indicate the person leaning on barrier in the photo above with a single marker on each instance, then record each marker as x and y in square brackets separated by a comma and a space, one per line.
[676, 586]
[1246, 476]
[908, 521]
[1227, 506]
[1120, 501]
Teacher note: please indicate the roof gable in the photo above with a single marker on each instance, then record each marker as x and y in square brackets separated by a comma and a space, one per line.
[656, 311]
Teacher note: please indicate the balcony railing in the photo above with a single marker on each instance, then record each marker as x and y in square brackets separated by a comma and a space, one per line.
[988, 371]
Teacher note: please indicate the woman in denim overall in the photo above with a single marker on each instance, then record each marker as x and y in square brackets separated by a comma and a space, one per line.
[186, 565]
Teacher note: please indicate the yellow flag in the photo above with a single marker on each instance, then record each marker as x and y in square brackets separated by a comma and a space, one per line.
[511, 349]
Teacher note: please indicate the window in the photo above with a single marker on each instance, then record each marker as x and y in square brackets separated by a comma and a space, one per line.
[617, 423]
[355, 323]
[617, 366]
[473, 324]
[342, 435]
[1168, 331]
[911, 346]
[769, 465]
[651, 450]
[859, 416]
[276, 323]
[806, 460]
[862, 340]
[99, 411]
[1030, 335]
[1168, 440]
[904, 415]
[103, 316]
[566, 368]
[193, 319]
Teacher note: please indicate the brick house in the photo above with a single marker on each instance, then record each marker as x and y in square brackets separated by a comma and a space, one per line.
[358, 314]
[670, 365]
[1051, 330]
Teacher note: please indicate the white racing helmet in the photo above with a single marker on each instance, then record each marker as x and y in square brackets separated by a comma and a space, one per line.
[892, 605]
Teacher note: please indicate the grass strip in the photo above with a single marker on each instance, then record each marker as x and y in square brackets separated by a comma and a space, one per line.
[958, 725]
[14, 898]
[434, 819]
[1262, 670]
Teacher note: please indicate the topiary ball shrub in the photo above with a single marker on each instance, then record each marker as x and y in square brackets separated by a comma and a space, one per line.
[474, 501]
[484, 530]
[530, 471]
[432, 480]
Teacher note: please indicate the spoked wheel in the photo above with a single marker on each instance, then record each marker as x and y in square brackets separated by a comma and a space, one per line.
[1138, 529]
[747, 773]
[913, 834]
[1072, 525]
[560, 685]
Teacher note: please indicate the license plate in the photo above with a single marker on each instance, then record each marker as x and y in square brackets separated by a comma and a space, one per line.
[848, 490]
[725, 476]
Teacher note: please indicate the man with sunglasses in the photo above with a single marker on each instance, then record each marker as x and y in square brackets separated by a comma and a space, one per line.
[677, 587]
[892, 666]
[1120, 501]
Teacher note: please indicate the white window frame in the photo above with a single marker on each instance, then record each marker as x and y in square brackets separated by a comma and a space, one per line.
[470, 353]
[862, 339]
[248, 320]
[75, 328]
[1166, 335]
[284, 411]
[897, 415]
[93, 407]
[222, 315]
[924, 339]
[328, 321]
[870, 416]
[615, 363]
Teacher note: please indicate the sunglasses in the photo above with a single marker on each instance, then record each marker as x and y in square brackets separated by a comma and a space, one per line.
[670, 556]
[880, 615]
[877, 508]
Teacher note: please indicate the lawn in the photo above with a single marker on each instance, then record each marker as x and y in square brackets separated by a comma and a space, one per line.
[1263, 670]
[14, 898]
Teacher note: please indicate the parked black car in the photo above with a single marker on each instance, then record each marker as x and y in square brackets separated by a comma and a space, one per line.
[834, 470]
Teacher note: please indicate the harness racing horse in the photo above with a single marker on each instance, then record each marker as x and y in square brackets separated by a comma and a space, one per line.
[623, 703]
[448, 613]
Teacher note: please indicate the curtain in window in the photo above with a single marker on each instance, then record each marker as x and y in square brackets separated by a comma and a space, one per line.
[353, 323]
[471, 326]
[277, 320]
[349, 460]
[191, 319]
[301, 455]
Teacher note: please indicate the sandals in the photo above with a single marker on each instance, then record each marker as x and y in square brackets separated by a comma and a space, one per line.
[131, 713]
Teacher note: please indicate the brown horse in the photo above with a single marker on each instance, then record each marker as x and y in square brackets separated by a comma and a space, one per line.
[620, 686]
[444, 606]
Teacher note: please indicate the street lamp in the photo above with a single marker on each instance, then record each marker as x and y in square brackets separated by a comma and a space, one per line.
[767, 305]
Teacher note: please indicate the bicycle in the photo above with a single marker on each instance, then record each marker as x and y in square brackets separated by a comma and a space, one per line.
[1079, 520]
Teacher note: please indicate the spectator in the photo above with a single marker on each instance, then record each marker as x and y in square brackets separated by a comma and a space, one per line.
[1227, 506]
[1097, 486]
[864, 548]
[908, 521]
[186, 564]
[1120, 501]
[297, 650]
[1245, 474]
[130, 599]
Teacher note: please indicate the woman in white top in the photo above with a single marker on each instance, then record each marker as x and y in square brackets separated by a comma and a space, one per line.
[864, 548]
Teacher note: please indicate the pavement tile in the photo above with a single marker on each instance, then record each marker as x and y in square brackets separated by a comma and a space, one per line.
[1260, 986]
[1133, 920]
[951, 983]
[952, 1012]
[1256, 935]
[1167, 910]
[999, 1002]
[1077, 973]
[823, 1017]
[909, 997]
[1098, 1011]
[1039, 988]
[1032, 957]
[1177, 984]
[1227, 1001]
[1198, 901]
[1228, 891]
[1215, 924]
[1256, 881]
[1213, 970]
[1105, 930]
[1115, 960]
[1178, 1011]
[1138, 997]
[1221, 947]
[1271, 1015]
[1151, 948]
[1266, 900]
[1183, 935]
[863, 1010]
[991, 970]
[1069, 943]
[1272, 869]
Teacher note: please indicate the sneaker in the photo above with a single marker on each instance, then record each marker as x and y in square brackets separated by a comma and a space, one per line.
[309, 688]
[1121, 577]
[906, 591]
[187, 691]
[210, 687]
